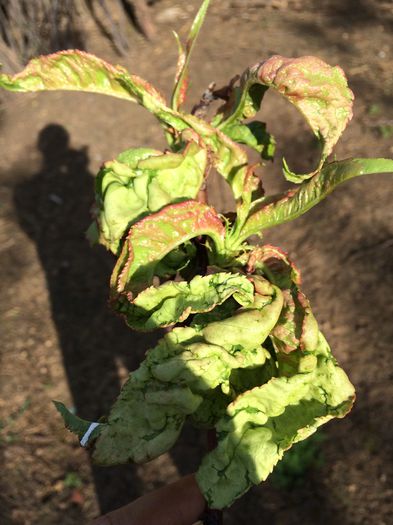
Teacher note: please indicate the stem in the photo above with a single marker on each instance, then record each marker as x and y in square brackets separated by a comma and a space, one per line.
[210, 516]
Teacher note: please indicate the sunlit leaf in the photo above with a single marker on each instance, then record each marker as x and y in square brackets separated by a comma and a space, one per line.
[319, 91]
[153, 237]
[142, 181]
[261, 424]
[181, 81]
[79, 71]
[292, 204]
[173, 302]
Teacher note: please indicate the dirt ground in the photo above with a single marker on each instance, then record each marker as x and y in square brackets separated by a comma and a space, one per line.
[60, 341]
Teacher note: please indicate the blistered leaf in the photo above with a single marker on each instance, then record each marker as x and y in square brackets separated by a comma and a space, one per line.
[261, 424]
[181, 80]
[79, 71]
[153, 237]
[173, 381]
[142, 181]
[296, 327]
[173, 302]
[290, 205]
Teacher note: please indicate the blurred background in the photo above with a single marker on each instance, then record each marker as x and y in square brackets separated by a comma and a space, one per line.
[59, 340]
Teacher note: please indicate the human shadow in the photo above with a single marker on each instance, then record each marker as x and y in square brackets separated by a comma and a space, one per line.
[53, 209]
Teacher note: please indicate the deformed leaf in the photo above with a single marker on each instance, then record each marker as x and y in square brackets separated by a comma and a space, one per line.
[79, 71]
[142, 181]
[319, 91]
[275, 265]
[174, 301]
[153, 237]
[261, 424]
[250, 326]
[173, 381]
[290, 205]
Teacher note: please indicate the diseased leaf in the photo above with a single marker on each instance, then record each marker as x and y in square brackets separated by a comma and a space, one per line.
[172, 382]
[319, 91]
[181, 81]
[290, 205]
[296, 327]
[142, 181]
[275, 265]
[261, 424]
[153, 237]
[173, 302]
[79, 71]
[250, 326]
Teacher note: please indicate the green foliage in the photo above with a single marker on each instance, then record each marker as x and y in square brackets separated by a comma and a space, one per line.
[72, 480]
[248, 358]
[298, 461]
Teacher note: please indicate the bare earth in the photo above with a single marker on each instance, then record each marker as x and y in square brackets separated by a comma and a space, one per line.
[60, 341]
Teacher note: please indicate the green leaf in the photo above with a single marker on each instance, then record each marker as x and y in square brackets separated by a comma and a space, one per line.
[173, 302]
[153, 237]
[253, 135]
[143, 181]
[249, 326]
[292, 204]
[75, 424]
[176, 376]
[79, 71]
[319, 91]
[181, 81]
[261, 424]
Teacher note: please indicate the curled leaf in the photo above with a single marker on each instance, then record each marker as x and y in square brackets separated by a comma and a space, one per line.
[173, 302]
[173, 381]
[292, 204]
[261, 424]
[142, 181]
[79, 71]
[250, 326]
[275, 264]
[319, 91]
[153, 237]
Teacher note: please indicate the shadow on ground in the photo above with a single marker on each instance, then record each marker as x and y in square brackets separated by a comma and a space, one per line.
[53, 209]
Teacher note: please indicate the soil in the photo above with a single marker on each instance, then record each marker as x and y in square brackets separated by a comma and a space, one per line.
[59, 340]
